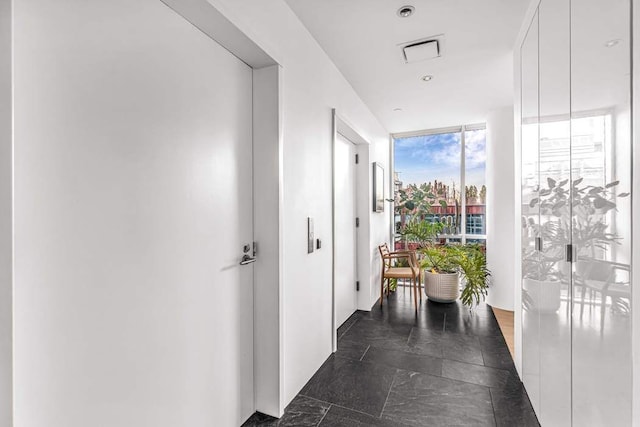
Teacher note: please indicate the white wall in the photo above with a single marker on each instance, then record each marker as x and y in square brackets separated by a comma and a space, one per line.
[500, 202]
[364, 195]
[311, 87]
[379, 223]
[6, 182]
[125, 117]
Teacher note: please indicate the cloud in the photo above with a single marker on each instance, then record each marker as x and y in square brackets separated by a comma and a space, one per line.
[475, 150]
[440, 149]
[427, 157]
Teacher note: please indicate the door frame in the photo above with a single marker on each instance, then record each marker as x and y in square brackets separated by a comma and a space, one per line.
[517, 176]
[341, 127]
[268, 358]
[6, 214]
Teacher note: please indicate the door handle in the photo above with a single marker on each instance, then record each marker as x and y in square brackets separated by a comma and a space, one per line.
[569, 253]
[246, 259]
[539, 244]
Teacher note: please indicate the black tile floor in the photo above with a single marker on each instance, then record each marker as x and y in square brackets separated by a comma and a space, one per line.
[444, 367]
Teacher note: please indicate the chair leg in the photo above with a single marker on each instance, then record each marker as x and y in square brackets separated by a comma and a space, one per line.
[415, 294]
[381, 289]
[420, 285]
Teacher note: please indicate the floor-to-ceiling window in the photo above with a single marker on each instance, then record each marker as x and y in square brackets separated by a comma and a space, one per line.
[475, 185]
[439, 177]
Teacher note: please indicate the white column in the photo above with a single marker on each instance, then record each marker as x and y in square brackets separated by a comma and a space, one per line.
[500, 205]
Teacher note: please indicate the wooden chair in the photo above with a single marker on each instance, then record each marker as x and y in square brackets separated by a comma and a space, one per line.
[390, 271]
[597, 276]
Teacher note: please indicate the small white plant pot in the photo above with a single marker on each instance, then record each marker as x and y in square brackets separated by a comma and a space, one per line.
[442, 287]
[544, 296]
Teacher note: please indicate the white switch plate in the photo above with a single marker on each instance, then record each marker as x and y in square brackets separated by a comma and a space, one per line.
[310, 235]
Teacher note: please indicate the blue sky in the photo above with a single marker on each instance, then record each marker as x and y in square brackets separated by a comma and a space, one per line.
[425, 158]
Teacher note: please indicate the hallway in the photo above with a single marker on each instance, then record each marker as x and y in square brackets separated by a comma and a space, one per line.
[443, 367]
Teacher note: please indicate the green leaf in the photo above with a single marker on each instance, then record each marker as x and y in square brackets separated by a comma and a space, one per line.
[602, 203]
[608, 207]
[623, 194]
[558, 205]
[612, 184]
[533, 202]
[551, 182]
[596, 190]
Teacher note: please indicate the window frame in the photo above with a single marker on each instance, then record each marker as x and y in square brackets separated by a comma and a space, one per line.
[462, 129]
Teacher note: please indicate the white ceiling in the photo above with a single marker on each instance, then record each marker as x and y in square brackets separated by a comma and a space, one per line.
[473, 76]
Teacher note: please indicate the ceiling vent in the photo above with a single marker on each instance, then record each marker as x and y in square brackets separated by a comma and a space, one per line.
[421, 51]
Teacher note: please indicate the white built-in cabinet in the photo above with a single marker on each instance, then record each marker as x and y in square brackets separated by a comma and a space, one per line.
[575, 64]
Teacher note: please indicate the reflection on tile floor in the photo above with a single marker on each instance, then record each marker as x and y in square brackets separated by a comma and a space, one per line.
[444, 367]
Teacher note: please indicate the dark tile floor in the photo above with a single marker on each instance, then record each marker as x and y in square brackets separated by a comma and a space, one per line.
[444, 367]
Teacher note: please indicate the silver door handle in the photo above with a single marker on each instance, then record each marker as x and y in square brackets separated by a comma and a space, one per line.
[569, 253]
[246, 259]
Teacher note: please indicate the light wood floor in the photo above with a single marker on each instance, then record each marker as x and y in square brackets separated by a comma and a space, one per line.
[505, 321]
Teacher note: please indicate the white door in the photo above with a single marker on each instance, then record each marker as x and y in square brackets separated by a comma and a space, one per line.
[345, 230]
[133, 200]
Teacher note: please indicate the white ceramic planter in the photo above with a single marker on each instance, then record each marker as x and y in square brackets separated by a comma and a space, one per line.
[442, 287]
[544, 296]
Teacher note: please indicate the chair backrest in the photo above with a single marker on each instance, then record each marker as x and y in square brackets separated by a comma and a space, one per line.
[384, 253]
[599, 270]
[411, 258]
[587, 270]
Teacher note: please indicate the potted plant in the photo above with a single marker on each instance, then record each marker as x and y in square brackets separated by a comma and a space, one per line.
[472, 262]
[441, 273]
[415, 203]
[542, 273]
[446, 265]
[541, 282]
[572, 213]
[417, 234]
